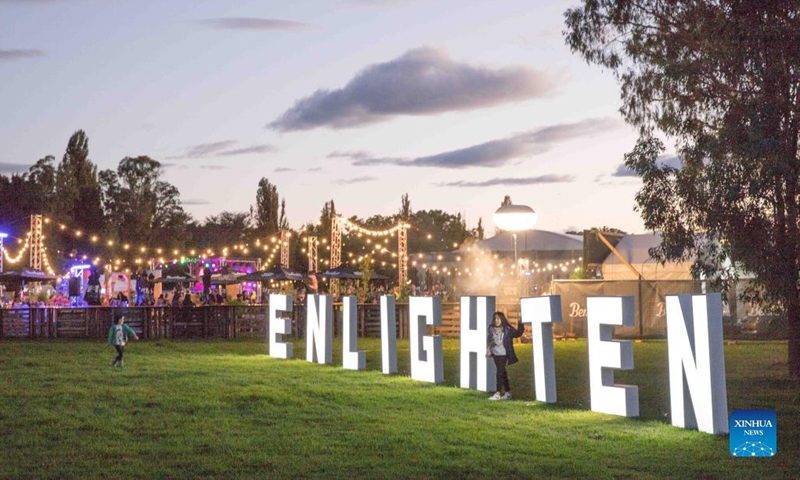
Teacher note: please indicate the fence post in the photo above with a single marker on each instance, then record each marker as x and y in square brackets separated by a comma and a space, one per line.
[170, 324]
[230, 317]
[146, 323]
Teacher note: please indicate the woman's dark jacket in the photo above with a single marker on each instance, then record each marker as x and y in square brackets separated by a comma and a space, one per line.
[509, 334]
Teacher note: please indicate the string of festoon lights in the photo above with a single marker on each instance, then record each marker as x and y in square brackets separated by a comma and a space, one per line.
[13, 260]
[159, 254]
[350, 226]
[376, 248]
[467, 263]
[481, 262]
[272, 246]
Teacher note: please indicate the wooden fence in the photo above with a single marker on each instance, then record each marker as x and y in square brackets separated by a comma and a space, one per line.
[226, 322]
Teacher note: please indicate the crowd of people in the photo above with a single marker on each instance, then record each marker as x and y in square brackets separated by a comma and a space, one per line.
[184, 297]
[34, 301]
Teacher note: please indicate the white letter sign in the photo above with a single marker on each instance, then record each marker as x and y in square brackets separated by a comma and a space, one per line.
[602, 313]
[697, 362]
[426, 350]
[388, 334]
[541, 313]
[280, 326]
[352, 359]
[477, 371]
[319, 334]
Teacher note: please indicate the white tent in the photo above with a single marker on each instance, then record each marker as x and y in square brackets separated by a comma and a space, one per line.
[532, 241]
[634, 248]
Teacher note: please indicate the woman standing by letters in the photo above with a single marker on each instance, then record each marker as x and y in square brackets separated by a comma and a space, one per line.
[500, 341]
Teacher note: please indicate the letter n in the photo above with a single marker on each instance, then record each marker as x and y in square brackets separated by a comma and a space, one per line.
[477, 371]
[280, 326]
[319, 331]
[697, 390]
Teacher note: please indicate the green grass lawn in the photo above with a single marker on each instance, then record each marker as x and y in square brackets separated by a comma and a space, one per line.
[225, 409]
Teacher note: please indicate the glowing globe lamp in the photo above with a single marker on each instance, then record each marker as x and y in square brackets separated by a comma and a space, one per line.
[515, 218]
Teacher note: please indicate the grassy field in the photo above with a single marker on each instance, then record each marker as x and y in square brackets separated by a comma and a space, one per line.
[188, 409]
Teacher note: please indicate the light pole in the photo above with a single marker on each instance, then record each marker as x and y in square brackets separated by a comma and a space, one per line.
[515, 218]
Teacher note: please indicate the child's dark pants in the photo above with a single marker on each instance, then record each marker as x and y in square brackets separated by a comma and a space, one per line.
[120, 351]
[500, 362]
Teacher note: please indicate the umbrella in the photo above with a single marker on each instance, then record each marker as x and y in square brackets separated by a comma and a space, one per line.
[226, 277]
[26, 274]
[275, 273]
[176, 278]
[347, 271]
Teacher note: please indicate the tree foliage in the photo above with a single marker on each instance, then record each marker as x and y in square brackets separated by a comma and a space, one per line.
[77, 189]
[142, 209]
[283, 220]
[721, 79]
[21, 196]
[405, 207]
[479, 233]
[225, 230]
[267, 221]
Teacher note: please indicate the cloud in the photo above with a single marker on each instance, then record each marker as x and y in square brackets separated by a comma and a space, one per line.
[512, 182]
[249, 150]
[672, 161]
[283, 169]
[214, 167]
[382, 3]
[205, 149]
[14, 167]
[623, 171]
[195, 202]
[315, 169]
[355, 180]
[221, 149]
[494, 153]
[250, 23]
[361, 159]
[17, 54]
[353, 155]
[423, 81]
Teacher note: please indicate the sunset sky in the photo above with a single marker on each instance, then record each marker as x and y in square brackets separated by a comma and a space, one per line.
[457, 103]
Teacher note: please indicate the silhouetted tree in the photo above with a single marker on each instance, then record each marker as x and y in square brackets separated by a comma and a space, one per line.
[77, 189]
[479, 233]
[405, 208]
[721, 80]
[283, 222]
[266, 211]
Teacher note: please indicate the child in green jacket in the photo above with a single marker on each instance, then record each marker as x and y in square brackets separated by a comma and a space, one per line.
[118, 336]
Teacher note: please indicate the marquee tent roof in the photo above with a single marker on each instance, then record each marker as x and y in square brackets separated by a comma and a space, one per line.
[532, 240]
[634, 248]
